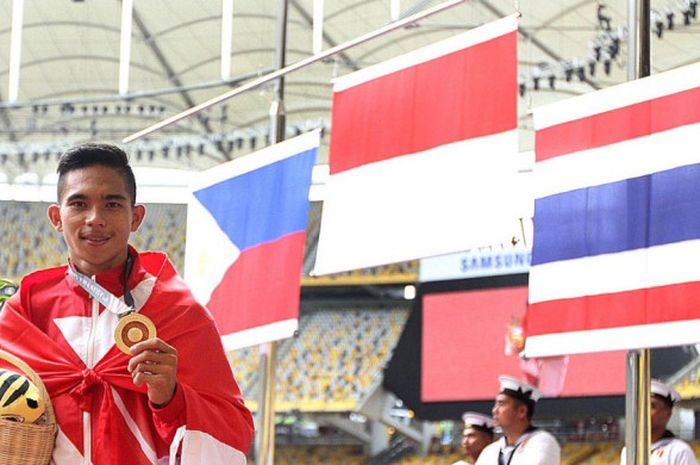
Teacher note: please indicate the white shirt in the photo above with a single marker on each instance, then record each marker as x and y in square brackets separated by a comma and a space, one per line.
[537, 447]
[667, 451]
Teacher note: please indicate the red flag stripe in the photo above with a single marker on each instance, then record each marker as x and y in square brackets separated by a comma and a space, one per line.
[618, 125]
[643, 306]
[452, 101]
[256, 289]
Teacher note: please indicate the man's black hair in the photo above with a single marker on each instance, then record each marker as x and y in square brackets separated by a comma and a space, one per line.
[483, 428]
[530, 407]
[91, 154]
[668, 400]
[522, 398]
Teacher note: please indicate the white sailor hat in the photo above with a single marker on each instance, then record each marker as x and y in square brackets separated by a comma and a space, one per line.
[666, 392]
[519, 389]
[478, 421]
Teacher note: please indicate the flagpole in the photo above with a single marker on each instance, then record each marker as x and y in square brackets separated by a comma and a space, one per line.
[266, 453]
[637, 408]
[266, 434]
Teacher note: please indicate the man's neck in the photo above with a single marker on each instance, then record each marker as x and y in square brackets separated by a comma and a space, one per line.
[656, 435]
[91, 269]
[516, 432]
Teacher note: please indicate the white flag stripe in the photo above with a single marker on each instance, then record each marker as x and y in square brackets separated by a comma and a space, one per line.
[610, 339]
[263, 157]
[199, 448]
[616, 272]
[616, 162]
[65, 452]
[206, 261]
[416, 195]
[146, 448]
[612, 98]
[261, 334]
[445, 47]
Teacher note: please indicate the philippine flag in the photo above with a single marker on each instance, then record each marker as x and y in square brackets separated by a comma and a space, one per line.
[617, 229]
[422, 153]
[246, 231]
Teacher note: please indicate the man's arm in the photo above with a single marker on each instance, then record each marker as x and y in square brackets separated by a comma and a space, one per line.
[545, 448]
[205, 396]
[14, 304]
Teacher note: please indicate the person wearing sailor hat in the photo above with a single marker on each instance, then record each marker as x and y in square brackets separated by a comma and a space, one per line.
[522, 443]
[666, 448]
[477, 434]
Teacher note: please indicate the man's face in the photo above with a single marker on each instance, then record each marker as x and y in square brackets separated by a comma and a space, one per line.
[660, 414]
[507, 411]
[474, 441]
[96, 217]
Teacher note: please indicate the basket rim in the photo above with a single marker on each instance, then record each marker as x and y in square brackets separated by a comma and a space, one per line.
[26, 369]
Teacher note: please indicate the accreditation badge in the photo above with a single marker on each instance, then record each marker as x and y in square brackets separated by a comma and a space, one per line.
[132, 329]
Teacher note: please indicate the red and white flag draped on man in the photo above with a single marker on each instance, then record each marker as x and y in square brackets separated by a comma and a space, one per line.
[617, 230]
[422, 153]
[103, 418]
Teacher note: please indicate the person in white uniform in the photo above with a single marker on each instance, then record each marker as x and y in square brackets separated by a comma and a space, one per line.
[522, 443]
[476, 435]
[666, 448]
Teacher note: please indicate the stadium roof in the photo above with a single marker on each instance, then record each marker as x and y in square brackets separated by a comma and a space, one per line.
[69, 77]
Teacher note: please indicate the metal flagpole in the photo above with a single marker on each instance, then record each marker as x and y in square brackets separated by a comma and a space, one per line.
[266, 453]
[266, 434]
[637, 409]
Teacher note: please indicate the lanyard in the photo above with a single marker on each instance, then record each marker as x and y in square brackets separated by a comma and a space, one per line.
[501, 455]
[102, 295]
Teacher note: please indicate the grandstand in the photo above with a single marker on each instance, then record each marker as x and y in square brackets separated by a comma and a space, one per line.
[29, 240]
[32, 244]
[332, 363]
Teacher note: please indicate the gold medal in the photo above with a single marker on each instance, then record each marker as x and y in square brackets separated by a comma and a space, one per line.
[132, 329]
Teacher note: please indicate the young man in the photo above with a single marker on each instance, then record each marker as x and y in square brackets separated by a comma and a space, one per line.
[133, 364]
[477, 434]
[666, 448]
[522, 443]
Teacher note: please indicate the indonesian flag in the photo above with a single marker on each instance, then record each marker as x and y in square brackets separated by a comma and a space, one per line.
[421, 153]
[246, 232]
[617, 230]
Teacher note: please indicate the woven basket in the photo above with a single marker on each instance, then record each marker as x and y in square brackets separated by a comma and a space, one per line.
[27, 443]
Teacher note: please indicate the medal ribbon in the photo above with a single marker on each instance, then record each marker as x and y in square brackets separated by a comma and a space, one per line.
[99, 293]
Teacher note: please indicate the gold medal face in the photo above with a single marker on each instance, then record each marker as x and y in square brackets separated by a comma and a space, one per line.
[132, 329]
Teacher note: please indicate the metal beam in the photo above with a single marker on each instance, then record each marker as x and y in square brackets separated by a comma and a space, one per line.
[293, 67]
[349, 62]
[136, 95]
[7, 122]
[172, 75]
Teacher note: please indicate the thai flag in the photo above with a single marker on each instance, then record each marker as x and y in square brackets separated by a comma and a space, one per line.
[422, 153]
[246, 231]
[617, 231]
